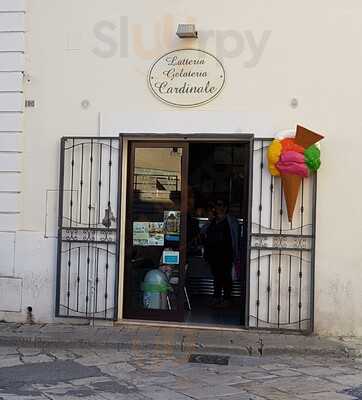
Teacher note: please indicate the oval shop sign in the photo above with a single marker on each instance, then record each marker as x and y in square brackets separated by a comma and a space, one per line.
[186, 78]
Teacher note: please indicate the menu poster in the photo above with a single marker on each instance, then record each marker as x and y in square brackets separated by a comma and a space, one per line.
[148, 234]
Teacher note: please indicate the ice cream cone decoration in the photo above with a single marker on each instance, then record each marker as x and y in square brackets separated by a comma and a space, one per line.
[294, 158]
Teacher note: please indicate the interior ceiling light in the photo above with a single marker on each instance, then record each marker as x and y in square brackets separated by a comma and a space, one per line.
[186, 31]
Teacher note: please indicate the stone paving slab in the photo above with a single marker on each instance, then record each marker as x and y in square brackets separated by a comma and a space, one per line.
[326, 396]
[44, 372]
[347, 379]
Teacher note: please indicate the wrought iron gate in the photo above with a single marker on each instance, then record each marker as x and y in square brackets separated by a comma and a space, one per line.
[88, 242]
[281, 275]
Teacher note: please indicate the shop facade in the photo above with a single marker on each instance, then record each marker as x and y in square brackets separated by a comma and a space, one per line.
[77, 170]
[275, 288]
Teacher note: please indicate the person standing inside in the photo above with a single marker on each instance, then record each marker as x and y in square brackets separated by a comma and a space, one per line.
[221, 250]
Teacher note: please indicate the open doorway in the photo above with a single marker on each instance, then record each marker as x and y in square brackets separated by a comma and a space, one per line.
[181, 197]
[218, 180]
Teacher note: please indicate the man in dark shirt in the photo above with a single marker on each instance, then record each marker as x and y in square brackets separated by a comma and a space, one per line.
[219, 254]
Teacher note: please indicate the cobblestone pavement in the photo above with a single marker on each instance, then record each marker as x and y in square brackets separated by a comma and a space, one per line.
[28, 373]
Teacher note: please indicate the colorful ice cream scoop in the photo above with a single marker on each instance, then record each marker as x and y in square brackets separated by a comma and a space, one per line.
[292, 163]
[294, 158]
[313, 157]
[289, 144]
[274, 152]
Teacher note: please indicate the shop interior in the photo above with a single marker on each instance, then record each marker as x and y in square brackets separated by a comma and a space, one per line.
[178, 194]
[216, 172]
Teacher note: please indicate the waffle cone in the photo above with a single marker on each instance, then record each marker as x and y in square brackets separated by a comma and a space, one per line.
[291, 187]
[305, 138]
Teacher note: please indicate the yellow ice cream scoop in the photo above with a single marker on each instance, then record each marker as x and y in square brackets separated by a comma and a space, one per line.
[274, 152]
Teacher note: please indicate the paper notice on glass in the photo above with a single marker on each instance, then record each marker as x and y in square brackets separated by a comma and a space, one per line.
[156, 231]
[172, 238]
[156, 240]
[140, 233]
[148, 234]
[171, 257]
[156, 227]
[141, 227]
[172, 222]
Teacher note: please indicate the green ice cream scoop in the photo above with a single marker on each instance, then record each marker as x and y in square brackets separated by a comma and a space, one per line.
[312, 157]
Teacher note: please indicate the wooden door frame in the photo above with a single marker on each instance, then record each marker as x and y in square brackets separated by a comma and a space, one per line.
[189, 138]
[159, 315]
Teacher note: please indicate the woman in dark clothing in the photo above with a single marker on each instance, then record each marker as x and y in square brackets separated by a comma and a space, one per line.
[220, 253]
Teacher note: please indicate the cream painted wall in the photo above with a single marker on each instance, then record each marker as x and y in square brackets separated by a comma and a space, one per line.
[313, 52]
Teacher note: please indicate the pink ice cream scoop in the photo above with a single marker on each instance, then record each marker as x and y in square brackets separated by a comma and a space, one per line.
[292, 163]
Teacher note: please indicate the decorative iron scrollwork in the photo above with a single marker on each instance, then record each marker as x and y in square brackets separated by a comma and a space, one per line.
[281, 242]
[89, 235]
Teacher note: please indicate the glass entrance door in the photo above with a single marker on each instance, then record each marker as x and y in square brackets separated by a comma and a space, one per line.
[154, 285]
